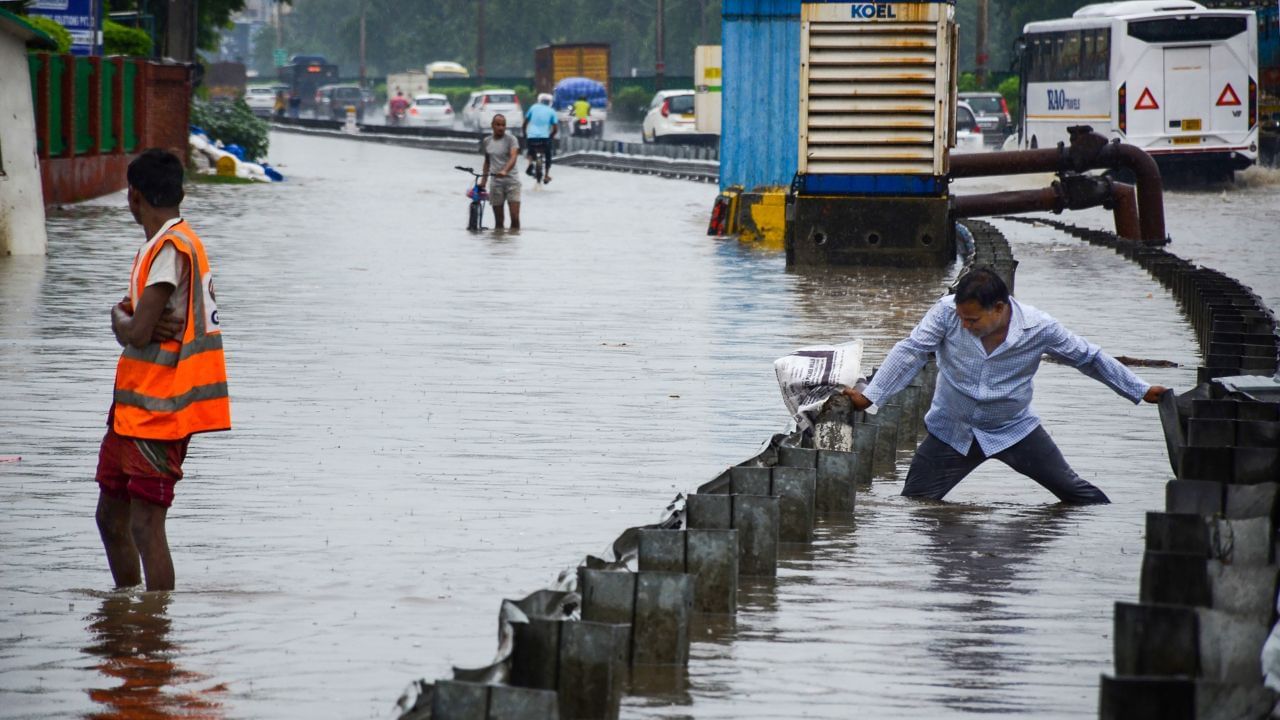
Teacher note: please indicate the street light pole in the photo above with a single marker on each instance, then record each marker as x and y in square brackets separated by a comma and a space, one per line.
[980, 37]
[661, 66]
[480, 40]
[363, 6]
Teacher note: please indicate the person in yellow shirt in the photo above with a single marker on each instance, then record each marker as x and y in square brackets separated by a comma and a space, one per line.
[581, 108]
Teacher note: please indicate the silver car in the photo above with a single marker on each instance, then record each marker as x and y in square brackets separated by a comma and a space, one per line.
[478, 113]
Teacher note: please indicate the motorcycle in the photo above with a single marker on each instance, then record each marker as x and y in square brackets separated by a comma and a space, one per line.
[479, 196]
[582, 127]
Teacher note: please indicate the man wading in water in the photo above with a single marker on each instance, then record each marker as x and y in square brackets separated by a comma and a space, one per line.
[989, 347]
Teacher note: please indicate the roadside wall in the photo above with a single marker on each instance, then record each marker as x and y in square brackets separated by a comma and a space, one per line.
[21, 209]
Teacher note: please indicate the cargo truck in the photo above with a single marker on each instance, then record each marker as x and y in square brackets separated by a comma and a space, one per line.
[553, 63]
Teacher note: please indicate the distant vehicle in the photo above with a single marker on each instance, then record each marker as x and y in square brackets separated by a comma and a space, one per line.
[567, 92]
[304, 75]
[1176, 79]
[444, 69]
[430, 110]
[409, 82]
[261, 99]
[482, 105]
[670, 117]
[332, 101]
[968, 132]
[993, 114]
[553, 63]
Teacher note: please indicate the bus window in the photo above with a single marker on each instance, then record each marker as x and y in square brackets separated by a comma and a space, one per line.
[1200, 29]
[1069, 58]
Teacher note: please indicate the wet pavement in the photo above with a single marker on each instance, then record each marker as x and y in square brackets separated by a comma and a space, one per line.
[428, 420]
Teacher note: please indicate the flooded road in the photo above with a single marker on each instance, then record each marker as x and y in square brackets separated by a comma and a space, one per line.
[428, 420]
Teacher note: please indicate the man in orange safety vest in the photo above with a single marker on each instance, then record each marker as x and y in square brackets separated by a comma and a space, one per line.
[171, 379]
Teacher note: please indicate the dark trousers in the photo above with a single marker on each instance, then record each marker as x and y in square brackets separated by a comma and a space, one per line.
[544, 146]
[937, 468]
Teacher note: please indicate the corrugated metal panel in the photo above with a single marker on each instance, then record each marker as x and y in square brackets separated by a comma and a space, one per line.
[759, 140]
[872, 99]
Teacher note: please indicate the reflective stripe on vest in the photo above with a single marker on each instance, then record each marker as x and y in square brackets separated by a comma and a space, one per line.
[169, 390]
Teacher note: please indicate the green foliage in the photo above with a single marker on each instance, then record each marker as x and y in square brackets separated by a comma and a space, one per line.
[629, 103]
[526, 95]
[968, 82]
[457, 96]
[1010, 90]
[53, 29]
[232, 123]
[120, 39]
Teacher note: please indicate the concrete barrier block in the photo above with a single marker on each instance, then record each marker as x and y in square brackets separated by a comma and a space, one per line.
[796, 490]
[455, 700]
[1233, 701]
[837, 481]
[1175, 579]
[515, 703]
[535, 647]
[750, 480]
[756, 520]
[884, 455]
[711, 556]
[1230, 647]
[1257, 433]
[864, 446]
[664, 606]
[1254, 465]
[1249, 541]
[1142, 698]
[661, 550]
[1201, 497]
[1177, 533]
[909, 398]
[1250, 501]
[709, 512]
[1156, 640]
[1203, 432]
[608, 596]
[797, 457]
[593, 670]
[1244, 591]
[1203, 463]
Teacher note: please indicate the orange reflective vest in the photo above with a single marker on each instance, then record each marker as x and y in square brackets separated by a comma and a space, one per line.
[169, 390]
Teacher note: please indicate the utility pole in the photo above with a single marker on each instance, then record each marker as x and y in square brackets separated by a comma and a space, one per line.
[980, 43]
[661, 66]
[480, 40]
[279, 33]
[180, 30]
[364, 4]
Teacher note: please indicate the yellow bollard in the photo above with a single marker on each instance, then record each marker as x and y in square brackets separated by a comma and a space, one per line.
[225, 166]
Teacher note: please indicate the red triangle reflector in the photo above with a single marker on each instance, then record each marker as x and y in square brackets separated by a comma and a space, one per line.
[1228, 96]
[1146, 101]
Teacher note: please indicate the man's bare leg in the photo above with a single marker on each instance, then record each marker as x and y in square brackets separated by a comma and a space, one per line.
[147, 524]
[113, 518]
[499, 219]
[515, 215]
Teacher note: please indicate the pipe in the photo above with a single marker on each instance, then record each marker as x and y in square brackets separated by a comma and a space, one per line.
[1048, 199]
[1124, 208]
[1088, 151]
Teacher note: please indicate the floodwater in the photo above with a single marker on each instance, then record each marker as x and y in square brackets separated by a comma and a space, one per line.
[428, 420]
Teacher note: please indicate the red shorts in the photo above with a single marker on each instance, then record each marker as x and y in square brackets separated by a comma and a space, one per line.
[143, 469]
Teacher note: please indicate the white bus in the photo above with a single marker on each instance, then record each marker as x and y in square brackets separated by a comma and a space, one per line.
[1171, 77]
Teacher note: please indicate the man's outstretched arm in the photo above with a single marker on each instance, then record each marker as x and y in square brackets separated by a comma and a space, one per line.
[904, 360]
[1090, 360]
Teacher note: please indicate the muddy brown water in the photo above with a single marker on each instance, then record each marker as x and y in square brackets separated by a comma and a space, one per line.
[428, 420]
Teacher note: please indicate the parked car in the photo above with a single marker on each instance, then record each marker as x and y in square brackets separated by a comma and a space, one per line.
[670, 116]
[482, 105]
[332, 101]
[261, 99]
[992, 113]
[430, 110]
[968, 132]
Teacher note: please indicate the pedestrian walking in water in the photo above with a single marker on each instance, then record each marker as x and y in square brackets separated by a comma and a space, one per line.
[501, 152]
[171, 378]
[989, 347]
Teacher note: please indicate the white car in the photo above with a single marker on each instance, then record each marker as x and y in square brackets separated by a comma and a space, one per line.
[430, 110]
[670, 114]
[261, 100]
[968, 133]
[482, 105]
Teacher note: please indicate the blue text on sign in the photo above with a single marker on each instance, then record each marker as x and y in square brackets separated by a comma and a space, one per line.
[1058, 100]
[874, 11]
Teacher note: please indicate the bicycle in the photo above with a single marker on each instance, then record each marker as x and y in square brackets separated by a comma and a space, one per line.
[538, 169]
[479, 196]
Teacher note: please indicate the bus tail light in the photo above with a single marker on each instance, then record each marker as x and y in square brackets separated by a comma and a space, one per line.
[1122, 102]
[1253, 103]
[1004, 108]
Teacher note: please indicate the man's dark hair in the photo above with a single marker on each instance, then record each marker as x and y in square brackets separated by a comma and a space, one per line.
[157, 174]
[983, 285]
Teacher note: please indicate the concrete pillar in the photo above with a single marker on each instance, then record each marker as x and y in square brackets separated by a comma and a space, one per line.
[756, 520]
[663, 609]
[796, 490]
[592, 669]
[712, 557]
[837, 481]
[22, 203]
[515, 703]
[453, 700]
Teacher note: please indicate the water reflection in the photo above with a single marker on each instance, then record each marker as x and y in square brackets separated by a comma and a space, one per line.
[979, 557]
[130, 637]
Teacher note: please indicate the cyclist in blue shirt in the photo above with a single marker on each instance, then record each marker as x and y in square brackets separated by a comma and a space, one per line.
[540, 127]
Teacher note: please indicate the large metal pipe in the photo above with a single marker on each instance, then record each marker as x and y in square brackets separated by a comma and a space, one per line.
[1088, 151]
[1124, 208]
[1048, 199]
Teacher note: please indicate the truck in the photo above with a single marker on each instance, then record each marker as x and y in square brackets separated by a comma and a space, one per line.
[553, 63]
[304, 75]
[411, 82]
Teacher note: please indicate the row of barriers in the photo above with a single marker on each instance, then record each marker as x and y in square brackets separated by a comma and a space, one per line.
[1192, 647]
[572, 651]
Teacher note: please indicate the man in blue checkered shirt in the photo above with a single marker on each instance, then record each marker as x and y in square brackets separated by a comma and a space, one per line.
[989, 347]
